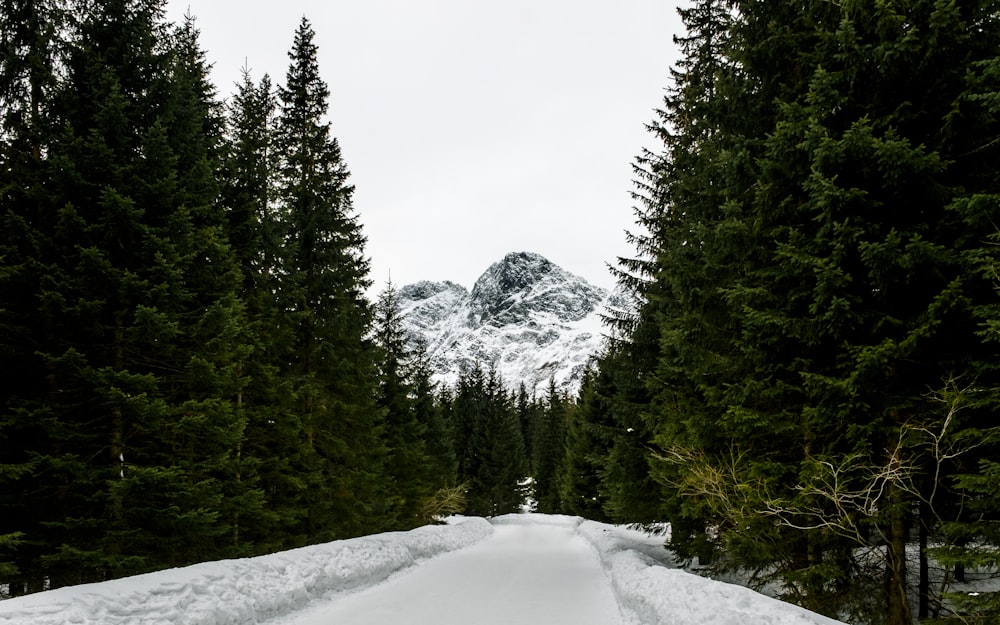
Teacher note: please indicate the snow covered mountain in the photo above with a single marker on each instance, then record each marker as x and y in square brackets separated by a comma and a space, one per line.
[526, 316]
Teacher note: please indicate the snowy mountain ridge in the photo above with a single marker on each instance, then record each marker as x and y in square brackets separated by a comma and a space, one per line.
[525, 316]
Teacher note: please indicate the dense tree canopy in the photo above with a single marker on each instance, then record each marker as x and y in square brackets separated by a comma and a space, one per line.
[188, 373]
[813, 359]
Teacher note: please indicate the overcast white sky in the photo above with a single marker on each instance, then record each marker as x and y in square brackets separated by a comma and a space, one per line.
[472, 128]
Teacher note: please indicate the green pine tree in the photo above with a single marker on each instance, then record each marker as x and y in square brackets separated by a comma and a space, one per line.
[626, 479]
[585, 450]
[405, 434]
[142, 342]
[492, 458]
[526, 407]
[549, 434]
[322, 277]
[247, 194]
[30, 53]
[430, 410]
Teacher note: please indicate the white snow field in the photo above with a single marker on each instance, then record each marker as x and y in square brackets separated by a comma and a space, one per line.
[516, 570]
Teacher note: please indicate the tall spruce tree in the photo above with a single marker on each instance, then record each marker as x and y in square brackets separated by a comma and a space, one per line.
[526, 407]
[429, 408]
[468, 402]
[322, 278]
[248, 179]
[247, 195]
[627, 482]
[585, 450]
[969, 533]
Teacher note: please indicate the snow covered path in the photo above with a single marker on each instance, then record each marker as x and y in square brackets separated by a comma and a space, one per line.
[521, 569]
[525, 573]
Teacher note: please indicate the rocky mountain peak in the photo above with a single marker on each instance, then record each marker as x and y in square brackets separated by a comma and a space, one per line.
[426, 289]
[525, 315]
[515, 272]
[523, 283]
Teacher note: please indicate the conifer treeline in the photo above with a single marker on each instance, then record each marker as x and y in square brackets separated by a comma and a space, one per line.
[809, 390]
[190, 368]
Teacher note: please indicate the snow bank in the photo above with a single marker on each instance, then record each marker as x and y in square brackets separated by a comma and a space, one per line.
[246, 591]
[651, 590]
[658, 595]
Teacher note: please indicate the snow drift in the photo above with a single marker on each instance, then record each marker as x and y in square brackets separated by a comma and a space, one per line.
[245, 591]
[655, 594]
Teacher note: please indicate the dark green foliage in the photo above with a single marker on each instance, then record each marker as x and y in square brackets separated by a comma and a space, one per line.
[247, 180]
[965, 539]
[327, 362]
[813, 287]
[489, 444]
[627, 485]
[430, 408]
[137, 324]
[585, 453]
[29, 58]
[527, 414]
[247, 190]
[547, 450]
[187, 374]
[408, 466]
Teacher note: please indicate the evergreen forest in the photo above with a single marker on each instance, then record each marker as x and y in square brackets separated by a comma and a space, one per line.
[191, 368]
[807, 389]
[804, 390]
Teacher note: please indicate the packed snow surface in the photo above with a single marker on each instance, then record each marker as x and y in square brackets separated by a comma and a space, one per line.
[517, 570]
[539, 571]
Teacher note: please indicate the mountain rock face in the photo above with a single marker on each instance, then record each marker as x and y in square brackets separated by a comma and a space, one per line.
[525, 316]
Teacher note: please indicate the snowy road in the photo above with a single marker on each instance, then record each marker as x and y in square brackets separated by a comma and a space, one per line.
[524, 569]
[525, 573]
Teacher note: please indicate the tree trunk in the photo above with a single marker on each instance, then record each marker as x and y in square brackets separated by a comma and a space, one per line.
[960, 566]
[924, 585]
[898, 606]
[115, 449]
